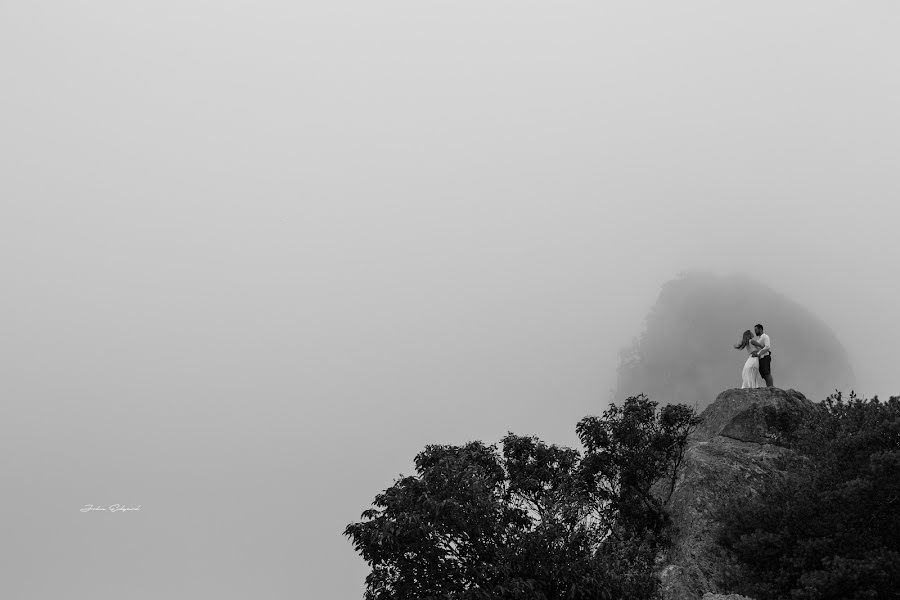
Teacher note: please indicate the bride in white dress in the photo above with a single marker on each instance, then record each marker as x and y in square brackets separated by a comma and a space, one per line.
[750, 377]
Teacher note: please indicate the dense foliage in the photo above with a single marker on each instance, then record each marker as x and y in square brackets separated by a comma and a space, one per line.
[533, 521]
[830, 527]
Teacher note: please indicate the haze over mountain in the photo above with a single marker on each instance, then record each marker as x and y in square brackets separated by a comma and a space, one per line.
[686, 353]
[257, 255]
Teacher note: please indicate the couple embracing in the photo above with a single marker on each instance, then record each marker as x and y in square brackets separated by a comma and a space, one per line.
[758, 368]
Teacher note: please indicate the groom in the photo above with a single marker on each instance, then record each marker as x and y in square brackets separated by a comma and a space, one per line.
[764, 353]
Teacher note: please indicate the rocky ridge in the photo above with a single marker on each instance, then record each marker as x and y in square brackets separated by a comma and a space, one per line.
[730, 454]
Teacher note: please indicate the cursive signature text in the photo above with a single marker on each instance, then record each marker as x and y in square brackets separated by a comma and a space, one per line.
[110, 508]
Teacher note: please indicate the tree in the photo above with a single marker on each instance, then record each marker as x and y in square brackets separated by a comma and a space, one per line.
[533, 521]
[830, 527]
[630, 451]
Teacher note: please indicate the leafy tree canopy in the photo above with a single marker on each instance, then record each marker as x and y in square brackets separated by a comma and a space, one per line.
[530, 521]
[830, 528]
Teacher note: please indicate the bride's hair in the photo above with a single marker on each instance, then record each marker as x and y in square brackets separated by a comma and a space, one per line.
[745, 341]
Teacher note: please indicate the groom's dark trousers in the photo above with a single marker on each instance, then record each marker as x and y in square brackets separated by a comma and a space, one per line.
[765, 369]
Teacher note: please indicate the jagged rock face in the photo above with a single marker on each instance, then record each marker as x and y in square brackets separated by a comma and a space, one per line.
[730, 455]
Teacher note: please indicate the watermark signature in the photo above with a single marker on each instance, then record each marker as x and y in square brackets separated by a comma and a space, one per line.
[110, 508]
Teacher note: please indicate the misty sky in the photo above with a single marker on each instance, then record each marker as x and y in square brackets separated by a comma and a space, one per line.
[256, 255]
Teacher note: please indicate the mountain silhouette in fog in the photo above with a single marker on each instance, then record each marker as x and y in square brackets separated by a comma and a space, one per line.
[686, 353]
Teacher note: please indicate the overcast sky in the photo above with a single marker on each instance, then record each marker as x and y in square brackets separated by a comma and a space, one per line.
[256, 255]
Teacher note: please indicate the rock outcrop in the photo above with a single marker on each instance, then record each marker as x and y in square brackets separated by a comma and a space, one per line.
[729, 455]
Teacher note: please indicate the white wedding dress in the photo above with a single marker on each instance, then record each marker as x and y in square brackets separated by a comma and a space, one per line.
[750, 377]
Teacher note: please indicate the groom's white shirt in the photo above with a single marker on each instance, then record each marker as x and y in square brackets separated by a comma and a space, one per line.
[767, 345]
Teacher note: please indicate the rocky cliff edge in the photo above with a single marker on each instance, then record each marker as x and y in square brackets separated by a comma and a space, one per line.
[730, 454]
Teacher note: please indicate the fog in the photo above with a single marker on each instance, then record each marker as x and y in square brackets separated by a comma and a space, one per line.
[686, 352]
[257, 255]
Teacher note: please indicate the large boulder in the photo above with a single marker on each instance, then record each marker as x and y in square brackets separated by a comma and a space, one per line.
[731, 454]
[763, 416]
